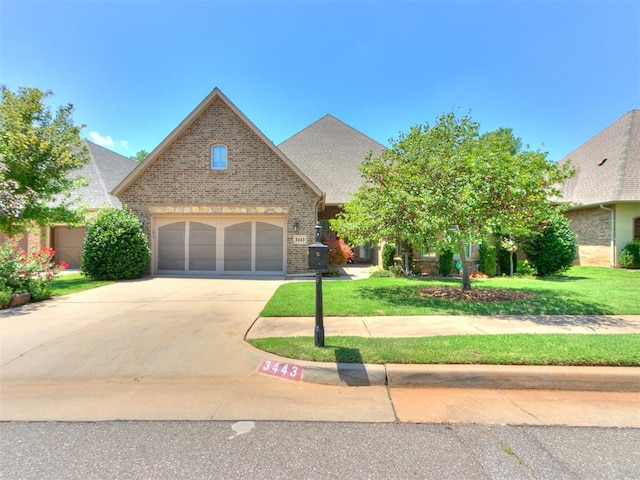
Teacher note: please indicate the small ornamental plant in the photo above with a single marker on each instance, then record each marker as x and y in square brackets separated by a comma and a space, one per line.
[27, 272]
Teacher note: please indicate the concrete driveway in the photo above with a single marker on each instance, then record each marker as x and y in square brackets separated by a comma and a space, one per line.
[152, 328]
[158, 349]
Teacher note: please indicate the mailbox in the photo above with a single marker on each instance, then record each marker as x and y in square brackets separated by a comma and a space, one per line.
[318, 253]
[318, 256]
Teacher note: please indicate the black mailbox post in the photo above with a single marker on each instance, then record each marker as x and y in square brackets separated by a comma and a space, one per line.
[318, 261]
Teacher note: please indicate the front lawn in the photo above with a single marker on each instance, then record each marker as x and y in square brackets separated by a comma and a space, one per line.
[513, 349]
[73, 283]
[582, 291]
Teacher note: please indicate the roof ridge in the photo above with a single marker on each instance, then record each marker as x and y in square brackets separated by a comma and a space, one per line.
[336, 119]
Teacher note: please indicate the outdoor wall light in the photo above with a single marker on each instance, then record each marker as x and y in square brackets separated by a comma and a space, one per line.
[295, 224]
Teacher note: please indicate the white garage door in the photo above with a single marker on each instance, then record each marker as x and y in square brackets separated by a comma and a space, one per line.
[231, 246]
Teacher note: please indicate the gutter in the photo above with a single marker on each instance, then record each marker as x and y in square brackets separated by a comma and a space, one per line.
[613, 234]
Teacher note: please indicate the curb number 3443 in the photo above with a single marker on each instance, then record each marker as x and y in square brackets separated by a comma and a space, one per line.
[281, 369]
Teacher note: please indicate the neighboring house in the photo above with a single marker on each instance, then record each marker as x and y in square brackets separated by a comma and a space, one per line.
[330, 152]
[604, 194]
[103, 170]
[218, 197]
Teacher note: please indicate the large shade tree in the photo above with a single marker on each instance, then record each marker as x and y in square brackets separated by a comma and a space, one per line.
[446, 184]
[39, 151]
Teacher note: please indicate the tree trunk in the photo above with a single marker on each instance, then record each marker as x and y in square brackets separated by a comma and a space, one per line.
[466, 280]
[511, 264]
[407, 271]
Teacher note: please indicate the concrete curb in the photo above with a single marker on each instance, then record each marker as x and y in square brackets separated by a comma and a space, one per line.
[597, 379]
[607, 379]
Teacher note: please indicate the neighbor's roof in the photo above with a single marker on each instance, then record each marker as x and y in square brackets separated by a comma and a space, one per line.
[607, 165]
[329, 152]
[104, 170]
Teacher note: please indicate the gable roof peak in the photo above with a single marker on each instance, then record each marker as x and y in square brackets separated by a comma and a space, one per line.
[216, 93]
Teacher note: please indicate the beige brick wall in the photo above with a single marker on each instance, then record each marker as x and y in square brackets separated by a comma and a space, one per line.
[592, 226]
[255, 182]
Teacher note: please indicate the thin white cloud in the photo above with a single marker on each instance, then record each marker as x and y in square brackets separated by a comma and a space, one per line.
[100, 140]
[107, 141]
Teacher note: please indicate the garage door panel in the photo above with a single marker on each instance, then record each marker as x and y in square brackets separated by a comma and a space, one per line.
[202, 247]
[171, 243]
[269, 247]
[237, 247]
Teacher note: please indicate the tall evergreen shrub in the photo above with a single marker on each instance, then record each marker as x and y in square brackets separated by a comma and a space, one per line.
[553, 250]
[388, 254]
[488, 259]
[445, 262]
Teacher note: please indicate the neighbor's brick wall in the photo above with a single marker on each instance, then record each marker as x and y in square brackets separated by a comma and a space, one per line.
[592, 226]
[255, 177]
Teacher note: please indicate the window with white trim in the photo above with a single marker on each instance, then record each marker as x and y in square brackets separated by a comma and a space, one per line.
[219, 157]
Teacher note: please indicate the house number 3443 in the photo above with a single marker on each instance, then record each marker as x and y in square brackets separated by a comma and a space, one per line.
[280, 369]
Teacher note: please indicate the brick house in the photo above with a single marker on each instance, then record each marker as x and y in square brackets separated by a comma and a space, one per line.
[218, 197]
[604, 194]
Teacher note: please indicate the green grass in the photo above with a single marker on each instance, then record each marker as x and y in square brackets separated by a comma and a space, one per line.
[582, 291]
[73, 283]
[517, 349]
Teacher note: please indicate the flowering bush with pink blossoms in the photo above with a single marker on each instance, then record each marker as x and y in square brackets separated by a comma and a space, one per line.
[22, 272]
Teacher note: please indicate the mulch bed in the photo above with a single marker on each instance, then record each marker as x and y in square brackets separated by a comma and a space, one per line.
[475, 294]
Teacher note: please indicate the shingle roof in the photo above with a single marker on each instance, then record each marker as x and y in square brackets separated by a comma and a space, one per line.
[104, 170]
[329, 152]
[607, 165]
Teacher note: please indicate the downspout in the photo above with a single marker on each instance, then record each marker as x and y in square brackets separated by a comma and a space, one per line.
[613, 233]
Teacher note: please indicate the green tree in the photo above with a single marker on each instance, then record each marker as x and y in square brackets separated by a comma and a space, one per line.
[140, 156]
[39, 150]
[447, 184]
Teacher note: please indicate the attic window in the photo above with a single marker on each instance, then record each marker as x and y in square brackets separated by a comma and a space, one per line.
[219, 157]
[601, 162]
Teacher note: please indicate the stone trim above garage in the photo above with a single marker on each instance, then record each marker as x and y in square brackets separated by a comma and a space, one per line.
[218, 210]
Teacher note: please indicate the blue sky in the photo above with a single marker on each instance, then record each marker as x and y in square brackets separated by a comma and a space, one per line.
[557, 72]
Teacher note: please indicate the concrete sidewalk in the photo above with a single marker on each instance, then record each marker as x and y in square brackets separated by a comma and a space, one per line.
[614, 379]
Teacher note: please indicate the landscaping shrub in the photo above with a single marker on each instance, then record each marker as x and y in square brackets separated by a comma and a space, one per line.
[630, 255]
[380, 272]
[445, 262]
[115, 247]
[488, 258]
[5, 294]
[26, 272]
[339, 252]
[388, 254]
[525, 269]
[553, 250]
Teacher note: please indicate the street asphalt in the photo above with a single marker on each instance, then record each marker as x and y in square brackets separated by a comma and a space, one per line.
[173, 349]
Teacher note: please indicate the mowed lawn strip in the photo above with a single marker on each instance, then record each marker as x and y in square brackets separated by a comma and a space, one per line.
[582, 291]
[73, 283]
[507, 349]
